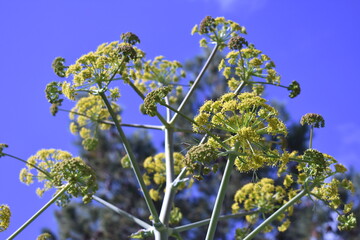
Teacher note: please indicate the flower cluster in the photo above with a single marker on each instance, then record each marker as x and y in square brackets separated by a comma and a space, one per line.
[59, 67]
[329, 193]
[244, 119]
[2, 146]
[55, 169]
[200, 159]
[88, 118]
[246, 63]
[265, 197]
[313, 119]
[152, 74]
[217, 30]
[154, 97]
[5, 215]
[156, 172]
[44, 236]
[93, 72]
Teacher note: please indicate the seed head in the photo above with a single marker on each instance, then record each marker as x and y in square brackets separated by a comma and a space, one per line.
[130, 38]
[237, 43]
[313, 119]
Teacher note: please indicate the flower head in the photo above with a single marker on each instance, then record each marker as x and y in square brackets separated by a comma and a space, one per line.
[201, 159]
[237, 43]
[218, 30]
[55, 169]
[155, 97]
[59, 67]
[313, 119]
[2, 146]
[294, 89]
[5, 215]
[130, 38]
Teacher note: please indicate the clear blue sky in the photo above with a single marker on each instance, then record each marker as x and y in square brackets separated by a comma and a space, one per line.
[313, 42]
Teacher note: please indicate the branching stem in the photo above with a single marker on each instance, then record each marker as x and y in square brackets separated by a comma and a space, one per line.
[123, 213]
[48, 204]
[133, 161]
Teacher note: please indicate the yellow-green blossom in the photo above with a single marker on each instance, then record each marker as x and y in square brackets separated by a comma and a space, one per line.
[5, 215]
[55, 169]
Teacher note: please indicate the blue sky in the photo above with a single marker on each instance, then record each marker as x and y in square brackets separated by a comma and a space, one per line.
[313, 42]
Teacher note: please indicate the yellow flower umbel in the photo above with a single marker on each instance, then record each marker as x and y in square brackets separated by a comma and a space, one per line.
[155, 174]
[5, 215]
[265, 197]
[244, 119]
[88, 118]
[217, 30]
[55, 169]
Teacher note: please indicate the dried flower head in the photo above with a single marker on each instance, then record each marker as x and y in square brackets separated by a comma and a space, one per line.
[53, 92]
[207, 25]
[294, 89]
[237, 43]
[217, 30]
[59, 67]
[2, 146]
[5, 215]
[130, 38]
[313, 119]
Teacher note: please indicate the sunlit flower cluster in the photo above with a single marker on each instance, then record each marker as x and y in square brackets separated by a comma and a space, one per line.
[155, 174]
[5, 215]
[156, 73]
[56, 168]
[88, 118]
[244, 119]
[265, 197]
[246, 63]
[217, 31]
[101, 66]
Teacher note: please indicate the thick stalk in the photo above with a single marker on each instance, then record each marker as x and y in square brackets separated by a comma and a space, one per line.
[220, 197]
[123, 213]
[275, 215]
[133, 161]
[48, 204]
[196, 82]
[206, 221]
[311, 136]
[170, 176]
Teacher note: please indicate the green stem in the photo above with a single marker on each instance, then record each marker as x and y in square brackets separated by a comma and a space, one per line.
[133, 161]
[311, 136]
[193, 122]
[146, 126]
[52, 200]
[220, 197]
[30, 164]
[206, 221]
[170, 176]
[123, 213]
[195, 84]
[275, 215]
